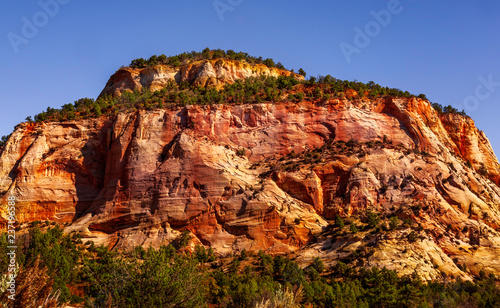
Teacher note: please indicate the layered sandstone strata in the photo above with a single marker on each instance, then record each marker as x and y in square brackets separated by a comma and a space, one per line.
[268, 176]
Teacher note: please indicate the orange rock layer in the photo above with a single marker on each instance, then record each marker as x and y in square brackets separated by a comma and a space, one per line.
[202, 73]
[142, 177]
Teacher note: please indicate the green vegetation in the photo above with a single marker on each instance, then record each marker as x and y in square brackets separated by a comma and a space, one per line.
[152, 278]
[447, 109]
[174, 277]
[58, 252]
[248, 91]
[353, 228]
[3, 140]
[339, 222]
[372, 219]
[394, 222]
[206, 54]
[295, 161]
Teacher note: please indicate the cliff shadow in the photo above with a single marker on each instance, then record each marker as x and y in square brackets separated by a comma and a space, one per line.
[90, 174]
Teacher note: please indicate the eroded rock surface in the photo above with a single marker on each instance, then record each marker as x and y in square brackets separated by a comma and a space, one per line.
[267, 176]
[201, 73]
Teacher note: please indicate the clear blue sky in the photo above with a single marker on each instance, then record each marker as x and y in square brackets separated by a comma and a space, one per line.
[440, 48]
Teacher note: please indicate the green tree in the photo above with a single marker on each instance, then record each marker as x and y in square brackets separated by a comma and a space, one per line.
[97, 110]
[302, 72]
[373, 219]
[157, 281]
[243, 254]
[182, 240]
[140, 62]
[394, 222]
[200, 254]
[318, 265]
[339, 222]
[162, 59]
[422, 96]
[153, 60]
[280, 66]
[269, 62]
[4, 140]
[299, 96]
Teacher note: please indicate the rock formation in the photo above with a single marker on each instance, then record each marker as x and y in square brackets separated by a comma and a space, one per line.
[269, 176]
[202, 73]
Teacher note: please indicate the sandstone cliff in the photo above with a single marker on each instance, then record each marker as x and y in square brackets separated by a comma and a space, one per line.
[267, 176]
[202, 73]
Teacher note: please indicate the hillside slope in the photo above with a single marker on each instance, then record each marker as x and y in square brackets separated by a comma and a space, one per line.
[271, 176]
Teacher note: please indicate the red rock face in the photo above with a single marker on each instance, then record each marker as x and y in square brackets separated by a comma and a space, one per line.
[472, 144]
[263, 176]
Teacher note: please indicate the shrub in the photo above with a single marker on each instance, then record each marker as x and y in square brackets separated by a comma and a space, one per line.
[394, 222]
[240, 152]
[3, 140]
[182, 240]
[318, 265]
[200, 254]
[339, 222]
[269, 62]
[158, 281]
[164, 278]
[483, 170]
[412, 237]
[422, 96]
[373, 219]
[243, 254]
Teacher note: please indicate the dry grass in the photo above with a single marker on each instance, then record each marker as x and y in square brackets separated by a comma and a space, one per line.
[283, 298]
[33, 290]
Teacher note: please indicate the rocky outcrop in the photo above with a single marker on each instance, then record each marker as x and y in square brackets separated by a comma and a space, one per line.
[267, 176]
[472, 144]
[202, 73]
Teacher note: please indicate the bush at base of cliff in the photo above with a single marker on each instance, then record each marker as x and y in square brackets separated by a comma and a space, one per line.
[159, 280]
[169, 278]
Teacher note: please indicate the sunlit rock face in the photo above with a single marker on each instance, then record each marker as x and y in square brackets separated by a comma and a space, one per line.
[203, 73]
[266, 176]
